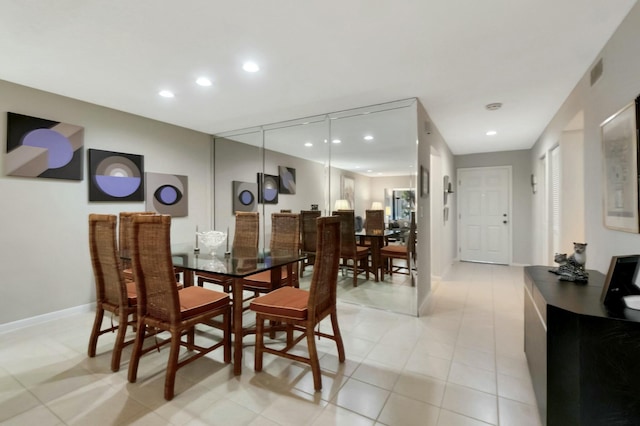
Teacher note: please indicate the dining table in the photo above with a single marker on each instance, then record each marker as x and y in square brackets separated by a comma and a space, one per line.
[236, 265]
[378, 239]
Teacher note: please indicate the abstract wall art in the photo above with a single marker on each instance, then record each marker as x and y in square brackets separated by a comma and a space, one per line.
[268, 188]
[167, 194]
[43, 148]
[115, 176]
[287, 180]
[244, 196]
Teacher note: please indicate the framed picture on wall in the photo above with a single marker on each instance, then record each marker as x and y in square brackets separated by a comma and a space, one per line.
[348, 190]
[620, 156]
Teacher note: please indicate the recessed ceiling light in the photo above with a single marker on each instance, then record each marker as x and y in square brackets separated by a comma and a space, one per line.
[203, 81]
[368, 138]
[369, 171]
[308, 144]
[491, 133]
[166, 94]
[336, 141]
[250, 67]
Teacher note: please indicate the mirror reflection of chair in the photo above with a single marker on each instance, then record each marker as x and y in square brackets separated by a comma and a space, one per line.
[161, 306]
[405, 252]
[285, 241]
[374, 222]
[245, 238]
[124, 231]
[113, 293]
[308, 233]
[302, 310]
[349, 251]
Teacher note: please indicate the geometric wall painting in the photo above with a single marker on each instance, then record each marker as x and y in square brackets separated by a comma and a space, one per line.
[244, 196]
[268, 188]
[166, 194]
[287, 180]
[115, 176]
[43, 148]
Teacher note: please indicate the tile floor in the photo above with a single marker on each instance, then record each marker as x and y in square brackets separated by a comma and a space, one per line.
[460, 365]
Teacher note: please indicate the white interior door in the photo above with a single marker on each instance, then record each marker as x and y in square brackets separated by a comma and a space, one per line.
[484, 221]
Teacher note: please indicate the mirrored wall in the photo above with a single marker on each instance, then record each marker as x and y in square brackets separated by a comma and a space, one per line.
[365, 157]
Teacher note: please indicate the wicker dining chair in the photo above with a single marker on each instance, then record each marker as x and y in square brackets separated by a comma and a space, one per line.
[349, 250]
[302, 310]
[113, 293]
[398, 251]
[161, 306]
[285, 240]
[124, 232]
[374, 222]
[245, 238]
[308, 229]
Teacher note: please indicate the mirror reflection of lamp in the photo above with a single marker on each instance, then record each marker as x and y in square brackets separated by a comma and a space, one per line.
[341, 205]
[376, 205]
[387, 214]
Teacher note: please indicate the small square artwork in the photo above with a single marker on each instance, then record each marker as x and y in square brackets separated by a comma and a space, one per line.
[167, 194]
[267, 189]
[287, 180]
[245, 196]
[42, 148]
[115, 176]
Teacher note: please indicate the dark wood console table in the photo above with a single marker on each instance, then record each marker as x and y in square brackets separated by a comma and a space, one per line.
[584, 361]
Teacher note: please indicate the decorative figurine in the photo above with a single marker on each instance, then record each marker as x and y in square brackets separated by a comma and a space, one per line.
[572, 268]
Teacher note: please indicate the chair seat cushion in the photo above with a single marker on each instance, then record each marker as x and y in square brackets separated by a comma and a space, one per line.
[263, 279]
[287, 302]
[394, 250]
[196, 300]
[132, 295]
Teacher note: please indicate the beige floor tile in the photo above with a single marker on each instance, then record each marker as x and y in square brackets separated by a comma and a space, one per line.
[295, 409]
[514, 413]
[472, 377]
[472, 403]
[377, 374]
[333, 415]
[400, 410]
[39, 415]
[449, 418]
[422, 388]
[362, 398]
[517, 389]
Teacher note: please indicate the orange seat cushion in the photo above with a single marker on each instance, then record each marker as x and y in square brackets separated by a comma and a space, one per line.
[263, 279]
[196, 300]
[132, 295]
[287, 302]
[394, 251]
[361, 251]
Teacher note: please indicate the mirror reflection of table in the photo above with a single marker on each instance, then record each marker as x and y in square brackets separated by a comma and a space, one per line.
[378, 238]
[237, 265]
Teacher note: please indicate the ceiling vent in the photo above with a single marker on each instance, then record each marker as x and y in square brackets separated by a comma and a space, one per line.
[494, 106]
[596, 72]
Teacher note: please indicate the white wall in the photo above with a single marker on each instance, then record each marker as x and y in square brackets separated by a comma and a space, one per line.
[572, 190]
[44, 253]
[618, 86]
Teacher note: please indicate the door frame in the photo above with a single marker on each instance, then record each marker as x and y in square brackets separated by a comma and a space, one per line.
[509, 170]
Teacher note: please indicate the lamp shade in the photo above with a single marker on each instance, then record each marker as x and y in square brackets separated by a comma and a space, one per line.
[341, 205]
[387, 211]
[376, 205]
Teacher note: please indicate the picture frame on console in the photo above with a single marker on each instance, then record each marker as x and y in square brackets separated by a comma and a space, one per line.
[620, 156]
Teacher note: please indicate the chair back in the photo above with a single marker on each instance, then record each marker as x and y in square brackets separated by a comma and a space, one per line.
[309, 228]
[374, 220]
[285, 233]
[153, 268]
[347, 232]
[322, 293]
[247, 230]
[105, 260]
[124, 233]
[411, 243]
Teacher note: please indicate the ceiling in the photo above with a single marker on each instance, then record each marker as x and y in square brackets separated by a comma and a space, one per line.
[456, 56]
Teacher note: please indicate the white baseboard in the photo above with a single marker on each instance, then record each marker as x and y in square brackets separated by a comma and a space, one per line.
[44, 318]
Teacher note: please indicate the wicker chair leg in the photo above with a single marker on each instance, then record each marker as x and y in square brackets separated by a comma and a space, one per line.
[172, 366]
[259, 343]
[313, 358]
[337, 336]
[191, 338]
[117, 348]
[95, 332]
[355, 273]
[137, 350]
[227, 336]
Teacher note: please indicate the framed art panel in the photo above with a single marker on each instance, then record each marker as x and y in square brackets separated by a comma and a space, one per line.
[167, 194]
[115, 176]
[43, 148]
[244, 196]
[348, 190]
[267, 189]
[287, 180]
[620, 155]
